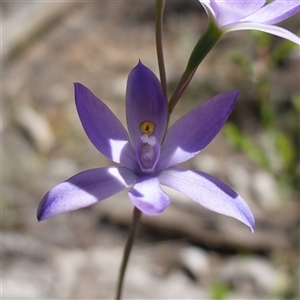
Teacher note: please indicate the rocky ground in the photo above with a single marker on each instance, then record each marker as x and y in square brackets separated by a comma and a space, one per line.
[185, 253]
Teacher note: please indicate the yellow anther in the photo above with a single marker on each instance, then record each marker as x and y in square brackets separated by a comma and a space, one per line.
[147, 127]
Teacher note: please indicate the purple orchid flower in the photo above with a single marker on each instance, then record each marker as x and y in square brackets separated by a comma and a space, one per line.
[147, 155]
[232, 15]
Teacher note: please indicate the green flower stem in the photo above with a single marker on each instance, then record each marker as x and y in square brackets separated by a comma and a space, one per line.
[135, 220]
[160, 5]
[206, 42]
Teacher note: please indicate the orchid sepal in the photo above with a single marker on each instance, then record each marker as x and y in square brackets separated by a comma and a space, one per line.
[272, 29]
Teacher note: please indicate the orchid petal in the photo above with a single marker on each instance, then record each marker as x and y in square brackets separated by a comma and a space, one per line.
[84, 189]
[278, 31]
[103, 128]
[147, 195]
[274, 12]
[232, 11]
[208, 192]
[145, 101]
[195, 130]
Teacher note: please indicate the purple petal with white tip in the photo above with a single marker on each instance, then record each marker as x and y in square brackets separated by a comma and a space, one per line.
[85, 189]
[227, 11]
[195, 130]
[274, 12]
[145, 101]
[208, 192]
[147, 195]
[103, 128]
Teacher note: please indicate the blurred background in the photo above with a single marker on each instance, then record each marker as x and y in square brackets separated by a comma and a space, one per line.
[187, 252]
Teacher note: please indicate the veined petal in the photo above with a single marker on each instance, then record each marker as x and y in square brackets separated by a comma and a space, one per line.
[84, 189]
[147, 195]
[145, 101]
[103, 128]
[278, 31]
[274, 12]
[208, 192]
[195, 130]
[230, 11]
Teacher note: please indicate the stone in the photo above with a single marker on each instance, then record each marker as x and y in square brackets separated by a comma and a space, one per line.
[37, 127]
[265, 189]
[195, 260]
[254, 275]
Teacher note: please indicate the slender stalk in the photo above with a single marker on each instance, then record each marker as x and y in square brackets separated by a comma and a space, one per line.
[160, 5]
[135, 220]
[206, 42]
